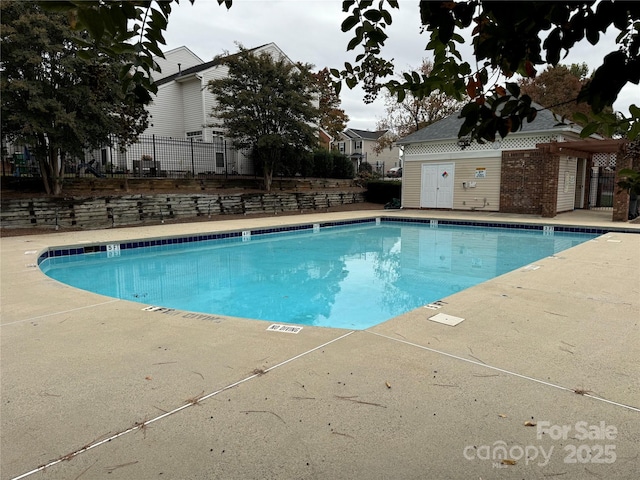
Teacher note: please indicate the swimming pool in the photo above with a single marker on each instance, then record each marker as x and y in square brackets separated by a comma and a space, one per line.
[344, 276]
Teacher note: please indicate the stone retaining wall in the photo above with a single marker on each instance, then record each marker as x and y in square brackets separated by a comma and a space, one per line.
[110, 211]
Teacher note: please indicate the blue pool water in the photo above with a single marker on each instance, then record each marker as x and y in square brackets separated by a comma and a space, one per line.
[345, 277]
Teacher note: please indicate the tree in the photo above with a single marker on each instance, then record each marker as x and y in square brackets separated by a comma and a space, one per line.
[266, 104]
[506, 42]
[413, 113]
[129, 30]
[332, 118]
[557, 89]
[53, 99]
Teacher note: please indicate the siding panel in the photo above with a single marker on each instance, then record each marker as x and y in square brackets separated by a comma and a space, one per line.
[567, 183]
[166, 104]
[486, 194]
[220, 71]
[411, 176]
[192, 106]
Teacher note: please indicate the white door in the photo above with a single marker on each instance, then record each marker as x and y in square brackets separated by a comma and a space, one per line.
[581, 176]
[429, 194]
[445, 185]
[437, 185]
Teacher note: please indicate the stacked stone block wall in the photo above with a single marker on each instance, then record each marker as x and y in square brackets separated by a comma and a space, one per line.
[121, 210]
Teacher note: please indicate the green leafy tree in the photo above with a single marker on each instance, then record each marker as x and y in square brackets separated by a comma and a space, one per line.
[332, 118]
[506, 42]
[266, 104]
[129, 30]
[55, 100]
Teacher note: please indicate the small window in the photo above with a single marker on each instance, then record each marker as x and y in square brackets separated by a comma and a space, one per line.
[359, 145]
[341, 147]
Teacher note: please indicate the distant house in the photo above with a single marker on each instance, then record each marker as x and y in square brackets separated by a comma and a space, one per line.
[527, 172]
[324, 139]
[359, 146]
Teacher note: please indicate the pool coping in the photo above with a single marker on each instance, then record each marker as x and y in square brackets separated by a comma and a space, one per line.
[69, 250]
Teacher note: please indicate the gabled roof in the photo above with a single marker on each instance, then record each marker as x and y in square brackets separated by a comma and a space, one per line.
[448, 127]
[364, 134]
[202, 67]
[184, 48]
[322, 131]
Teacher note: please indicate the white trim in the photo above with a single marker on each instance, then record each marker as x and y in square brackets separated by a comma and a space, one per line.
[461, 155]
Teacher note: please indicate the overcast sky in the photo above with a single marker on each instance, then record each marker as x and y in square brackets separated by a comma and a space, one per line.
[308, 31]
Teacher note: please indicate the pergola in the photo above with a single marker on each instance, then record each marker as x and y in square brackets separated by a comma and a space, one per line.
[586, 149]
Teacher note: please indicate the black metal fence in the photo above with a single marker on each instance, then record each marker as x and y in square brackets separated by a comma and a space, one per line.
[151, 156]
[601, 190]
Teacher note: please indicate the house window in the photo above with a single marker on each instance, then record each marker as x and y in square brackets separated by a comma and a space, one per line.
[196, 135]
[341, 147]
[359, 145]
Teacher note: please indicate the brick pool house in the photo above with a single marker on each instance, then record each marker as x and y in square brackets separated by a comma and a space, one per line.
[543, 169]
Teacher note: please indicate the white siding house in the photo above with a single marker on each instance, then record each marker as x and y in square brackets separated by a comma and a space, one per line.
[183, 104]
[359, 145]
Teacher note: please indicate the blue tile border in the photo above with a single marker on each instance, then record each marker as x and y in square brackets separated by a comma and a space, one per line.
[70, 251]
[519, 226]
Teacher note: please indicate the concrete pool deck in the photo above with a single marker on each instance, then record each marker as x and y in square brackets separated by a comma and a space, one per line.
[97, 388]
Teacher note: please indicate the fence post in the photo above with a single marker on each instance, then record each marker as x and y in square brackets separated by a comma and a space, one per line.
[193, 167]
[155, 164]
[113, 167]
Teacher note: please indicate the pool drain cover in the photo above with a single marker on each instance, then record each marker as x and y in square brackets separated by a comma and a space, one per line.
[446, 319]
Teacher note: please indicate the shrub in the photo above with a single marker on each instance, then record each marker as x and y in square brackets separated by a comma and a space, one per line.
[381, 191]
[365, 167]
[322, 164]
[342, 166]
[306, 165]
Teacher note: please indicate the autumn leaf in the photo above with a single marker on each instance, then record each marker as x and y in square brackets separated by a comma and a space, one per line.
[530, 69]
[472, 88]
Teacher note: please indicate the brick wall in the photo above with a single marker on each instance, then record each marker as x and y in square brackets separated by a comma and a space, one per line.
[621, 197]
[529, 182]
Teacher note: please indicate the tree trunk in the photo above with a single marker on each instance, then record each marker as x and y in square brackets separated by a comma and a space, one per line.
[45, 167]
[58, 170]
[268, 177]
[44, 171]
[51, 170]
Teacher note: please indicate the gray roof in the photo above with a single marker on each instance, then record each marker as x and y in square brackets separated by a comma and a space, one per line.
[448, 127]
[364, 134]
[201, 67]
